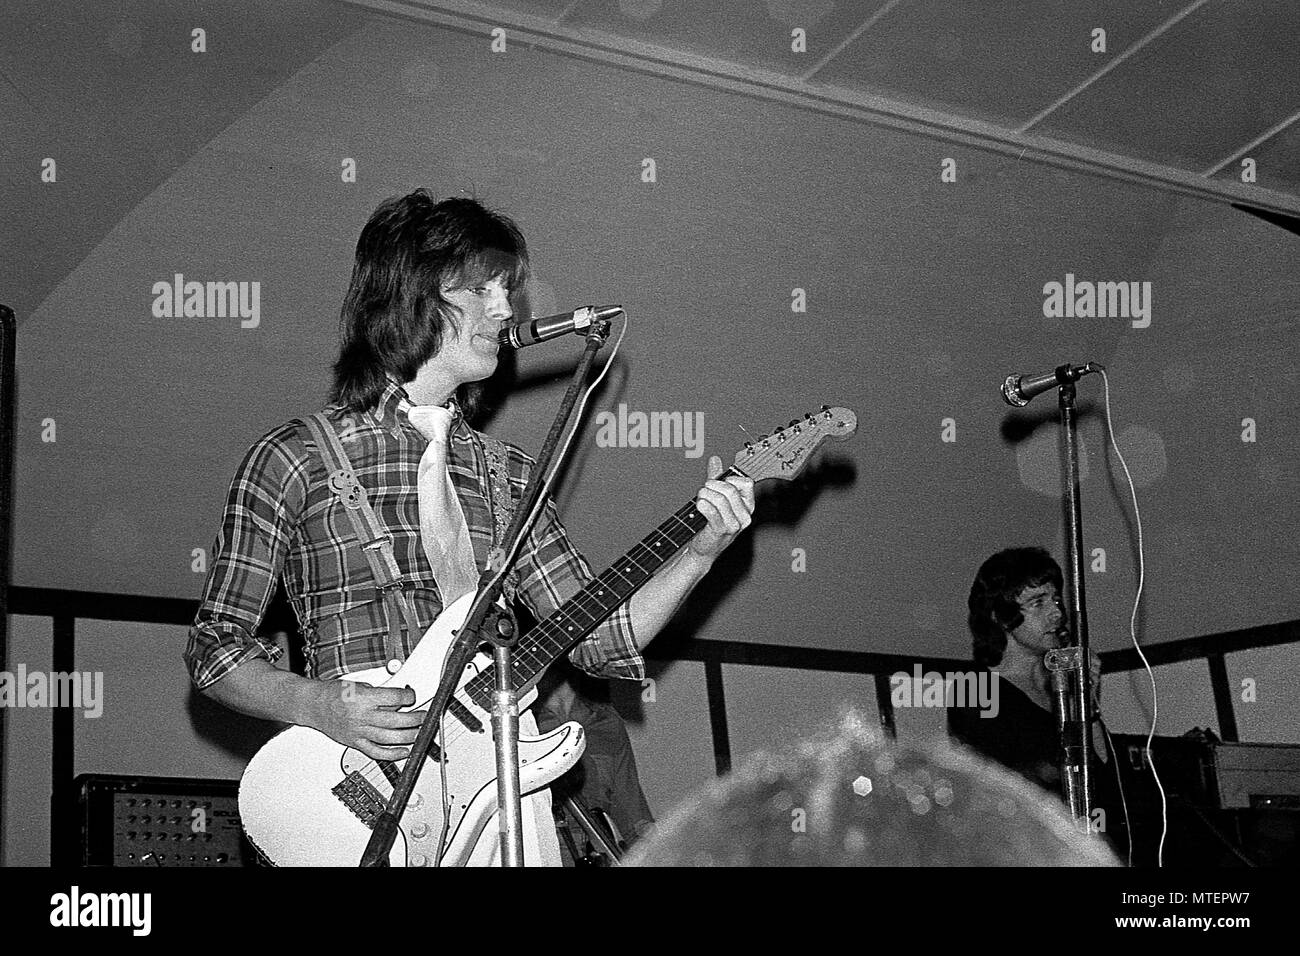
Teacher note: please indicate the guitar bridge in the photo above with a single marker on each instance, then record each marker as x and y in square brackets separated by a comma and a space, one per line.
[359, 795]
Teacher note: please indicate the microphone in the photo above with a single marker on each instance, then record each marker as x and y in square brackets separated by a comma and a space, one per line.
[1019, 390]
[531, 331]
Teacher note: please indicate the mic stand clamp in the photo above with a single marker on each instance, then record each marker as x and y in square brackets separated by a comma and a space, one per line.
[1063, 664]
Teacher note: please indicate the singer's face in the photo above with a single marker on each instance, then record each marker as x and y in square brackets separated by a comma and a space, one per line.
[469, 352]
[1041, 607]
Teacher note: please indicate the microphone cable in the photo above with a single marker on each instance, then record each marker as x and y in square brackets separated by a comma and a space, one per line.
[1132, 627]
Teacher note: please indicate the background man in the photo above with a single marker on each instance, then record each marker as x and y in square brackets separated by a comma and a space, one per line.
[1015, 616]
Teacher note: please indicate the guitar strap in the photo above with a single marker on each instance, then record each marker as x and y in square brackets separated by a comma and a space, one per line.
[502, 503]
[377, 544]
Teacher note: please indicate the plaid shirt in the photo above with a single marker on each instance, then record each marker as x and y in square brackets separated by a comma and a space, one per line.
[280, 516]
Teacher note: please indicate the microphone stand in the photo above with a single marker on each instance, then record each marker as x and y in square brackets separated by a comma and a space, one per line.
[602, 843]
[1072, 661]
[502, 636]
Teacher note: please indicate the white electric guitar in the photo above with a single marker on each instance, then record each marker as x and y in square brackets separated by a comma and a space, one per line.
[306, 800]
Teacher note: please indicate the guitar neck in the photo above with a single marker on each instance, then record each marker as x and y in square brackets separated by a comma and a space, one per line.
[581, 614]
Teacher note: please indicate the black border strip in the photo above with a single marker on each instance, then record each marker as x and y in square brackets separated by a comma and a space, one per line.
[98, 606]
[8, 410]
[1223, 698]
[1196, 648]
[885, 705]
[718, 717]
[63, 822]
[801, 658]
[144, 609]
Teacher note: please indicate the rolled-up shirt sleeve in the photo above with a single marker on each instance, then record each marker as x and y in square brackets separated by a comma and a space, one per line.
[552, 571]
[257, 525]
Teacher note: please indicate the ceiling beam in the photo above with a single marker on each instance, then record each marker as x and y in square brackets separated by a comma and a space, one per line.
[564, 14]
[1150, 37]
[1266, 135]
[840, 102]
[870, 22]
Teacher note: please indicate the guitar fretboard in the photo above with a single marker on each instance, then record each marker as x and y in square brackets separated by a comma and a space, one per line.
[581, 614]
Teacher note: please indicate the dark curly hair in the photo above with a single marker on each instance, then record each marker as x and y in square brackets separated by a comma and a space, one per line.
[394, 315]
[992, 603]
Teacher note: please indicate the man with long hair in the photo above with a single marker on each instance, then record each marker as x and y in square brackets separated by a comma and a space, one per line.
[430, 290]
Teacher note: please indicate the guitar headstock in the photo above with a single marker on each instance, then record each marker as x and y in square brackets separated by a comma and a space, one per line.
[784, 453]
